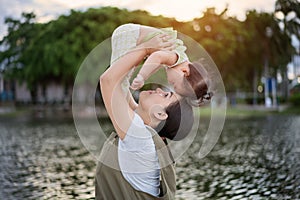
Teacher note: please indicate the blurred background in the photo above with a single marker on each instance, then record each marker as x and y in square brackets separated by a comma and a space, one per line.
[255, 46]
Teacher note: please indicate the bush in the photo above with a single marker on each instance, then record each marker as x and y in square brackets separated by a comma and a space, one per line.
[281, 100]
[295, 99]
[259, 100]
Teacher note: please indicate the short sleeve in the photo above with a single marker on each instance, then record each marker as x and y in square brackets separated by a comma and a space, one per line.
[138, 137]
[137, 147]
[138, 158]
[180, 51]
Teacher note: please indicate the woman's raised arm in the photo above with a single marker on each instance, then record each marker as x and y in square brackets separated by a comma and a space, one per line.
[114, 98]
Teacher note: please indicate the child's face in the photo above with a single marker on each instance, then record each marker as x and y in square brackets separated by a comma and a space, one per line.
[176, 76]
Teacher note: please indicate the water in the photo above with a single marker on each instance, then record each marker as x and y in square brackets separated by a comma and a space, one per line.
[255, 158]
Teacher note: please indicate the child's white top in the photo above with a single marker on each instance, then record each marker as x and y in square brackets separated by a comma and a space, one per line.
[125, 37]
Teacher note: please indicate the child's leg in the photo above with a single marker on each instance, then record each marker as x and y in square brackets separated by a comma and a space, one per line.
[124, 38]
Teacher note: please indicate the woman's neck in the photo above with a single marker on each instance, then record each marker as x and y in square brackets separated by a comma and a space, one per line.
[146, 118]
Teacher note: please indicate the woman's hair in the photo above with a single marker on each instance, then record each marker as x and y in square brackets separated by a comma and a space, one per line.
[179, 122]
[199, 81]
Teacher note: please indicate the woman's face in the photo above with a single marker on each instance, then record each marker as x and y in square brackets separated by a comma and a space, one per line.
[176, 77]
[150, 98]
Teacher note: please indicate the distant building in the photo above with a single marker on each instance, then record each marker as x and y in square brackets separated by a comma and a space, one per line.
[50, 93]
[1, 83]
[296, 63]
[22, 94]
[295, 75]
[6, 89]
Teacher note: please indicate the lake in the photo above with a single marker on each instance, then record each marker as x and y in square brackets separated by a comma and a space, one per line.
[42, 157]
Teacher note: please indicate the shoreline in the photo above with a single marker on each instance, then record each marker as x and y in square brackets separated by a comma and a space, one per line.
[239, 110]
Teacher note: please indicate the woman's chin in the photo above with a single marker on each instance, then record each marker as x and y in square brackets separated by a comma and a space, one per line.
[146, 92]
[142, 94]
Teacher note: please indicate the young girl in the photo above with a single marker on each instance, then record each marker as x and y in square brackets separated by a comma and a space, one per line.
[188, 79]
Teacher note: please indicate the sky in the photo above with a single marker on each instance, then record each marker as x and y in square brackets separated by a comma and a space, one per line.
[182, 10]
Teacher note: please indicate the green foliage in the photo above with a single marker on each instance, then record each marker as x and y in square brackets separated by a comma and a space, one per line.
[295, 99]
[287, 7]
[21, 33]
[241, 48]
[38, 53]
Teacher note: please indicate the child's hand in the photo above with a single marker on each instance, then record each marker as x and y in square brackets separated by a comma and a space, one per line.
[159, 42]
[137, 82]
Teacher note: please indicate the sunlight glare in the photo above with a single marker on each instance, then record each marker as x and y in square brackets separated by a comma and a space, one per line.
[181, 10]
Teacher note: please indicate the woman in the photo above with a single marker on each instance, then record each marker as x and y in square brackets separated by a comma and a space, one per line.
[144, 166]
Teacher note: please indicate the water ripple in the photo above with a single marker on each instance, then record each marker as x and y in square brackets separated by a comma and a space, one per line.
[255, 158]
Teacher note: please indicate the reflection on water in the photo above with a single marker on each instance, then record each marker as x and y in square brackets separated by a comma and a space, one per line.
[255, 158]
[44, 160]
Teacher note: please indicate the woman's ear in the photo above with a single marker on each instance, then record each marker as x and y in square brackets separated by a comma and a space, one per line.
[159, 112]
[161, 115]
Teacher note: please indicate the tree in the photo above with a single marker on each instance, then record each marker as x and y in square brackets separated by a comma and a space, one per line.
[20, 32]
[37, 53]
[269, 47]
[290, 10]
[288, 15]
[224, 38]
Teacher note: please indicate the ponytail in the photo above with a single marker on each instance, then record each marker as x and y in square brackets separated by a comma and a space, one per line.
[200, 83]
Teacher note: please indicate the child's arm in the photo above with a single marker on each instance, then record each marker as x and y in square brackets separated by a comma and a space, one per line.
[154, 62]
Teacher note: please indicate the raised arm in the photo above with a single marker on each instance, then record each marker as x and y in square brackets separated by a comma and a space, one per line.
[154, 62]
[114, 98]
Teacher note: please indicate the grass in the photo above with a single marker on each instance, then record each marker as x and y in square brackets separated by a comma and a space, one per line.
[293, 110]
[231, 111]
[251, 111]
[15, 112]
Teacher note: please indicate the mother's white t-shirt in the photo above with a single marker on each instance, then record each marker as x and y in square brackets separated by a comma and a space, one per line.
[138, 158]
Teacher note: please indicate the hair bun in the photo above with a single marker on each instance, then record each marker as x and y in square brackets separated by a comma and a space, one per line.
[201, 101]
[208, 95]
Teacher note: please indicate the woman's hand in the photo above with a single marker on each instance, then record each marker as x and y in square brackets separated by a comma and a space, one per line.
[159, 42]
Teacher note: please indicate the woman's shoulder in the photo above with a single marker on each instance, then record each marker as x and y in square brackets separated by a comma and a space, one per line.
[138, 129]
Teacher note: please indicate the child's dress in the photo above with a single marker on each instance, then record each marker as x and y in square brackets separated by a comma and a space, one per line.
[125, 37]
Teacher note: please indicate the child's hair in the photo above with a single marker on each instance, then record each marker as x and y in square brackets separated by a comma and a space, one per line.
[199, 81]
